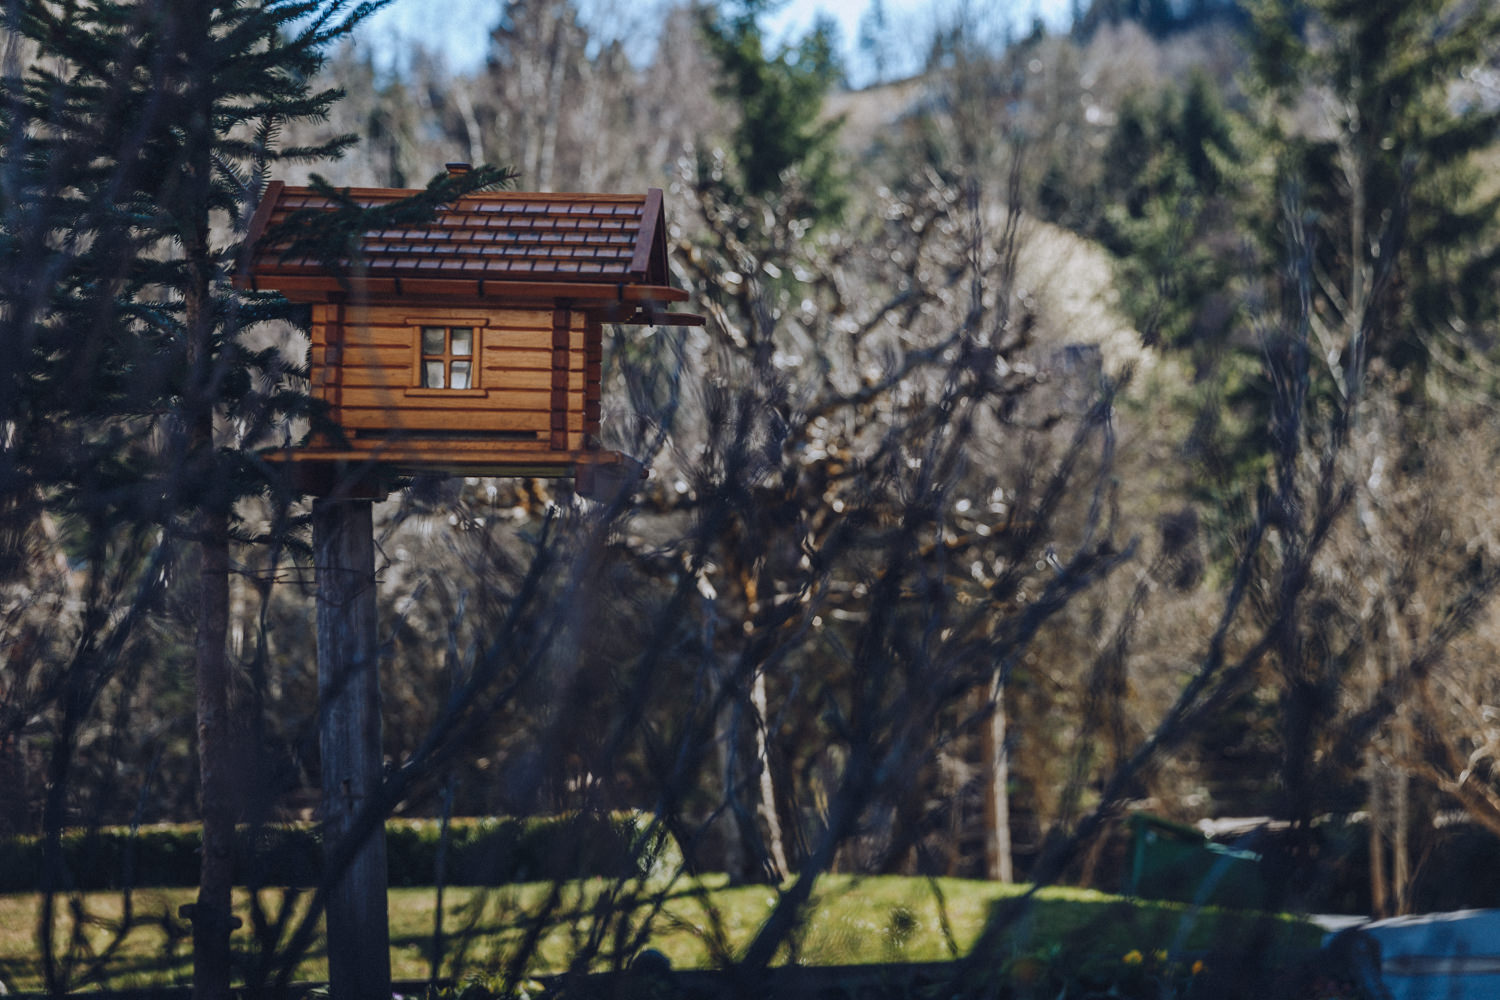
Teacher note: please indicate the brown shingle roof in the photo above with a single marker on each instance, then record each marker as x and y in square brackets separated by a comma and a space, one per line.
[491, 236]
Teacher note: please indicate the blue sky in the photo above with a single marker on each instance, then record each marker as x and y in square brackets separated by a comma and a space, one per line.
[460, 28]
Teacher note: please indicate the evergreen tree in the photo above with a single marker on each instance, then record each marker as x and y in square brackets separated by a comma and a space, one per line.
[1404, 245]
[1362, 126]
[1168, 184]
[873, 29]
[1328, 272]
[138, 141]
[1174, 185]
[783, 150]
[1387, 260]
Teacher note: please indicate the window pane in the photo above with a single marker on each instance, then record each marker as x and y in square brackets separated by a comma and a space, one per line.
[432, 374]
[434, 339]
[463, 341]
[461, 374]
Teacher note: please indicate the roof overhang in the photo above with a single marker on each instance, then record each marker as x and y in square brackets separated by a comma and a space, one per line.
[590, 251]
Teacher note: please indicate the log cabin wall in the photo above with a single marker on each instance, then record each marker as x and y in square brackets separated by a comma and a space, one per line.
[593, 379]
[536, 380]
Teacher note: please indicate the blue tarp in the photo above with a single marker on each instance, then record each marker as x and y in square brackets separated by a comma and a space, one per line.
[1440, 956]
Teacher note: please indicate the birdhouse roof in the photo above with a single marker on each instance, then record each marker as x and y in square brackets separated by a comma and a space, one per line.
[491, 244]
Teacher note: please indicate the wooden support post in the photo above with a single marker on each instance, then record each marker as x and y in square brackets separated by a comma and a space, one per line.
[359, 951]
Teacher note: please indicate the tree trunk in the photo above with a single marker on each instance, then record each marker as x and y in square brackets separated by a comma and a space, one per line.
[768, 814]
[551, 124]
[725, 734]
[997, 849]
[1375, 806]
[359, 952]
[212, 912]
[1401, 874]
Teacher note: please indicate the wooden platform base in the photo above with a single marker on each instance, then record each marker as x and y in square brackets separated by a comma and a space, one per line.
[376, 471]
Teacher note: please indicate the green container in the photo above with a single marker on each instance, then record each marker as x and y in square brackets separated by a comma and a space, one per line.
[1174, 861]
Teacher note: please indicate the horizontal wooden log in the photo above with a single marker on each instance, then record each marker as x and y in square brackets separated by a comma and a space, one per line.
[397, 378]
[388, 338]
[528, 378]
[437, 399]
[437, 316]
[354, 419]
[402, 340]
[377, 376]
[462, 448]
[399, 320]
[495, 359]
[455, 421]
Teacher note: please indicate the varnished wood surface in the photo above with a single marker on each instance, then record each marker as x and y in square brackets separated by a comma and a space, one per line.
[322, 471]
[349, 741]
[531, 371]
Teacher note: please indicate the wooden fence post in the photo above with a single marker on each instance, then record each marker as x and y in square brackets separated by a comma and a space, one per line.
[359, 953]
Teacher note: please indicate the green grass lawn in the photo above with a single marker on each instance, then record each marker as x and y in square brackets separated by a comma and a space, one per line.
[696, 924]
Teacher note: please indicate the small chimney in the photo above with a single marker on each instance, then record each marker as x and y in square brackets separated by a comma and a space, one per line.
[457, 169]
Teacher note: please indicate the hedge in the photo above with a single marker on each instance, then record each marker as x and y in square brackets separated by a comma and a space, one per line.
[482, 851]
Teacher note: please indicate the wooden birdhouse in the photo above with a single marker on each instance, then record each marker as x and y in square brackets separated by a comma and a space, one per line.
[472, 344]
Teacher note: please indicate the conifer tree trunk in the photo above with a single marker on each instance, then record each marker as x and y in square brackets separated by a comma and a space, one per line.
[211, 914]
[188, 28]
[156, 123]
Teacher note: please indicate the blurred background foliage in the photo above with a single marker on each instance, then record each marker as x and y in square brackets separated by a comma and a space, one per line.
[1092, 421]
